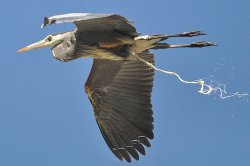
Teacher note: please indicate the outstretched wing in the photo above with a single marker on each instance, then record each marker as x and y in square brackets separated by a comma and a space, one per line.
[71, 17]
[94, 22]
[120, 93]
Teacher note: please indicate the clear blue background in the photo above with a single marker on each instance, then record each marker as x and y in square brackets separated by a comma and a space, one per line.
[47, 120]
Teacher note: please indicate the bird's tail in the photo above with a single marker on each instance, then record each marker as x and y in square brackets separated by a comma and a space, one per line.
[147, 42]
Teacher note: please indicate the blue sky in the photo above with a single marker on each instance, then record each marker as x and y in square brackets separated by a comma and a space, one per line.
[47, 120]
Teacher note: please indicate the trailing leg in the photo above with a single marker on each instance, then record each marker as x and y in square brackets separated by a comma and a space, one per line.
[191, 45]
[165, 36]
[146, 42]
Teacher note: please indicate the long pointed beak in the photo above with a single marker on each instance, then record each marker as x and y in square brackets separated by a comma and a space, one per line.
[40, 44]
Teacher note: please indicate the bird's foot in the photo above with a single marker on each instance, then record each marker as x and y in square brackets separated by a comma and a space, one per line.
[191, 34]
[202, 44]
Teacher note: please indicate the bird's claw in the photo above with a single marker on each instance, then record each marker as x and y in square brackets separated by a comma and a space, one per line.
[193, 33]
[202, 44]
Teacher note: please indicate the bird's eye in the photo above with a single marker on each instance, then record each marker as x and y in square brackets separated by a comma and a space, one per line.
[49, 38]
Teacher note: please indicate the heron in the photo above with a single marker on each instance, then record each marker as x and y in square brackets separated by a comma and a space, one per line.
[119, 85]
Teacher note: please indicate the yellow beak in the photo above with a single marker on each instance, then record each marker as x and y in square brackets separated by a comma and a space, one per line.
[40, 44]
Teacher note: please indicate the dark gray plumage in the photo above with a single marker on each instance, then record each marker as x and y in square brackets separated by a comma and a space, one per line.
[119, 85]
[121, 102]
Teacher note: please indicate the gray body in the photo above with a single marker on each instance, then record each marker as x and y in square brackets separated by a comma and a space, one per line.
[119, 85]
[93, 31]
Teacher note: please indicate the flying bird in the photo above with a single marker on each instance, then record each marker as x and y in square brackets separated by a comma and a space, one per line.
[119, 85]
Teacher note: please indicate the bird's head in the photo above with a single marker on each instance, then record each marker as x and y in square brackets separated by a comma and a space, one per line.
[49, 41]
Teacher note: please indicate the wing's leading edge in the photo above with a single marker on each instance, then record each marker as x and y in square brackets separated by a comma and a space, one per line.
[72, 17]
[98, 24]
